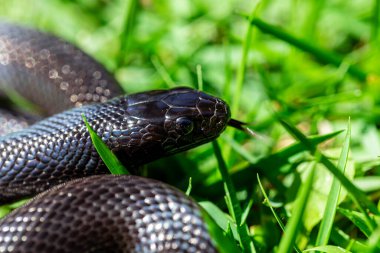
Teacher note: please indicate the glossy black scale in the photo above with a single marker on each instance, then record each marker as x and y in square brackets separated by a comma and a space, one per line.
[99, 213]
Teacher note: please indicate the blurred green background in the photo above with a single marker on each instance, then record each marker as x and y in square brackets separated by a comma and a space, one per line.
[325, 73]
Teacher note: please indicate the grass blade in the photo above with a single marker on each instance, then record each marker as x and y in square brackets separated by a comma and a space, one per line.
[199, 77]
[236, 212]
[125, 35]
[240, 76]
[242, 68]
[5, 209]
[357, 195]
[244, 216]
[341, 238]
[323, 55]
[328, 249]
[222, 219]
[332, 201]
[223, 243]
[282, 154]
[374, 241]
[314, 14]
[274, 161]
[163, 72]
[109, 158]
[293, 227]
[375, 21]
[189, 187]
[278, 219]
[358, 219]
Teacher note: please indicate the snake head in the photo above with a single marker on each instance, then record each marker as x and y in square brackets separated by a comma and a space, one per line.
[165, 122]
[193, 118]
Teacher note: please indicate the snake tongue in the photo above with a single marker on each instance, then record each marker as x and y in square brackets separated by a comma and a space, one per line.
[242, 126]
[237, 124]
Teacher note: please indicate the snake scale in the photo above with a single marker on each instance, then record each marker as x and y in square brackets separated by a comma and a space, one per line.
[80, 210]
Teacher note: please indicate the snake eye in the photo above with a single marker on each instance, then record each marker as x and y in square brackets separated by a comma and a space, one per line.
[185, 125]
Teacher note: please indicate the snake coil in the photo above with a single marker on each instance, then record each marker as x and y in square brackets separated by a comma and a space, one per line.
[96, 213]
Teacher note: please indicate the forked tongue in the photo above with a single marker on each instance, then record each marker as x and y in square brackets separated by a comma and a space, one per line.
[243, 127]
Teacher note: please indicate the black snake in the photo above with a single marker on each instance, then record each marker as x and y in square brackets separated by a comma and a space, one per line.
[97, 213]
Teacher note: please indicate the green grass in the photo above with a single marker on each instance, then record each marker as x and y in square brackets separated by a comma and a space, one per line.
[293, 227]
[312, 63]
[333, 197]
[233, 204]
[109, 158]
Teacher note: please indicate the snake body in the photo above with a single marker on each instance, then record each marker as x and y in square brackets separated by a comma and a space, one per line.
[107, 214]
[49, 72]
[140, 215]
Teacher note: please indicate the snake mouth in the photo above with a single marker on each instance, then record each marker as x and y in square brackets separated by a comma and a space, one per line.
[239, 125]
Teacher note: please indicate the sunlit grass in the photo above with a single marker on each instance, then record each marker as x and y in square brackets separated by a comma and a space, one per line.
[312, 63]
[108, 157]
